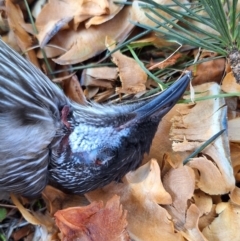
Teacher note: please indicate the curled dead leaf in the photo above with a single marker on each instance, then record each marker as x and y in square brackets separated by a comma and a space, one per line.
[45, 223]
[230, 84]
[103, 96]
[16, 22]
[191, 230]
[25, 213]
[147, 221]
[148, 176]
[180, 184]
[99, 77]
[234, 130]
[73, 90]
[162, 145]
[83, 44]
[226, 225]
[94, 222]
[56, 200]
[235, 158]
[171, 60]
[203, 202]
[208, 71]
[207, 219]
[211, 179]
[131, 83]
[235, 196]
[191, 126]
[56, 14]
[113, 10]
[139, 12]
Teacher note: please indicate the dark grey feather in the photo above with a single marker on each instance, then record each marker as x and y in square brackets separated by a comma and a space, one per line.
[29, 120]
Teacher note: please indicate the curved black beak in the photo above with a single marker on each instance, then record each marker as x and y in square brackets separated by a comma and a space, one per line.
[161, 104]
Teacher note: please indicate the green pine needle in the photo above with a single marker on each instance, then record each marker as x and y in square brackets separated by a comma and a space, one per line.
[224, 22]
[203, 146]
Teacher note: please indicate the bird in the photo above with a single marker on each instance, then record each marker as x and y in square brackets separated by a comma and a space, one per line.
[47, 138]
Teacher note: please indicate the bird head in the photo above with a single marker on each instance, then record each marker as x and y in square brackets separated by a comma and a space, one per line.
[107, 141]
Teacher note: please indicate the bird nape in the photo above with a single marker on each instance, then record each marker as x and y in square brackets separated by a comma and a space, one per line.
[45, 137]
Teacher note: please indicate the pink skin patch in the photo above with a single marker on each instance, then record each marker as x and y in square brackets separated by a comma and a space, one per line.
[64, 114]
[98, 162]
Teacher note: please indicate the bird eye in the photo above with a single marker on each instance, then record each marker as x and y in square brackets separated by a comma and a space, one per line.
[109, 151]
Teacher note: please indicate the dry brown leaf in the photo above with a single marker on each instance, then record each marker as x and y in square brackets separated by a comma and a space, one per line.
[99, 77]
[194, 127]
[73, 90]
[56, 200]
[90, 92]
[63, 77]
[234, 129]
[207, 219]
[235, 196]
[211, 178]
[113, 10]
[103, 96]
[191, 231]
[185, 145]
[232, 103]
[166, 165]
[50, 29]
[44, 222]
[235, 158]
[197, 128]
[233, 113]
[148, 176]
[92, 8]
[86, 43]
[230, 84]
[139, 12]
[4, 27]
[20, 233]
[25, 213]
[55, 14]
[162, 145]
[94, 222]
[180, 184]
[16, 21]
[147, 221]
[131, 83]
[208, 71]
[226, 225]
[191, 126]
[10, 39]
[203, 201]
[167, 62]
